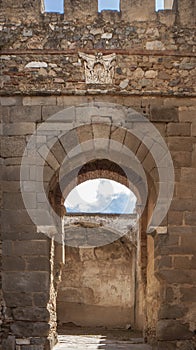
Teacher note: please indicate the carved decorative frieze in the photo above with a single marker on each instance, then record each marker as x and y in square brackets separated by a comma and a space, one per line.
[99, 68]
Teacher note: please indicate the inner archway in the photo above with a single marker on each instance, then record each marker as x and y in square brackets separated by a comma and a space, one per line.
[100, 278]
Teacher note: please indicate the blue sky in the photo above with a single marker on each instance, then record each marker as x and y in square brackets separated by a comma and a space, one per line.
[57, 5]
[100, 196]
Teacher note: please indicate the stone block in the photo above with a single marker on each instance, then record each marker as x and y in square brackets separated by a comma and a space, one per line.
[187, 114]
[172, 330]
[41, 299]
[35, 314]
[18, 299]
[66, 101]
[179, 129]
[163, 345]
[9, 343]
[22, 341]
[10, 101]
[49, 111]
[4, 114]
[193, 129]
[12, 173]
[161, 127]
[186, 13]
[186, 204]
[188, 175]
[10, 219]
[13, 263]
[184, 262]
[39, 101]
[58, 152]
[132, 142]
[32, 347]
[12, 146]
[168, 311]
[169, 294]
[164, 114]
[163, 262]
[184, 276]
[85, 133]
[186, 344]
[25, 114]
[190, 237]
[14, 129]
[13, 201]
[188, 294]
[190, 218]
[180, 143]
[184, 190]
[181, 158]
[30, 329]
[37, 263]
[31, 248]
[101, 131]
[175, 217]
[25, 282]
[70, 141]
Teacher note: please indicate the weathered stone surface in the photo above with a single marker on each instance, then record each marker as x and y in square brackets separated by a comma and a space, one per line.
[179, 129]
[39, 101]
[178, 276]
[172, 330]
[188, 294]
[15, 129]
[9, 343]
[160, 114]
[172, 311]
[12, 146]
[26, 248]
[25, 113]
[27, 329]
[26, 281]
[13, 264]
[166, 345]
[10, 101]
[18, 299]
[31, 314]
[37, 263]
[40, 299]
[180, 144]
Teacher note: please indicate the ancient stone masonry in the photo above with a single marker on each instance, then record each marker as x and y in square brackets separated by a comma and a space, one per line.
[134, 68]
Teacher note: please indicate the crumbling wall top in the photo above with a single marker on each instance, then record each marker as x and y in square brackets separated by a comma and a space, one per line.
[84, 11]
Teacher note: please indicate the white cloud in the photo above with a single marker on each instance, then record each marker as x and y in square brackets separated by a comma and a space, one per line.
[100, 195]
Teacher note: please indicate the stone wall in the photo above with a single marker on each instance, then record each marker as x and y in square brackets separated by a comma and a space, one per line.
[153, 73]
[98, 284]
[97, 287]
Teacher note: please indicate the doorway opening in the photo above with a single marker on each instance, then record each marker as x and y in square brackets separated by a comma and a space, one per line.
[100, 276]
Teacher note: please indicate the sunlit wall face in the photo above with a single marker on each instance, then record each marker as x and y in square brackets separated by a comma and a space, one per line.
[100, 196]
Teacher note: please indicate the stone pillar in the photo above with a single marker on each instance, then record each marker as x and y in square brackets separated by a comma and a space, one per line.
[26, 276]
[187, 12]
[21, 8]
[81, 9]
[168, 4]
[138, 10]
